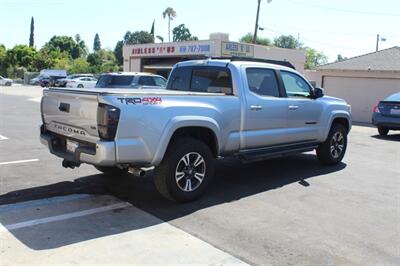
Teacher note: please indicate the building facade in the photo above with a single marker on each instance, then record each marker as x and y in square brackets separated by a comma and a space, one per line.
[362, 81]
[159, 58]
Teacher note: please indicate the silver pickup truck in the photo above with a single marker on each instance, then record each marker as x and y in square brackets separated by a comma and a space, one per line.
[209, 110]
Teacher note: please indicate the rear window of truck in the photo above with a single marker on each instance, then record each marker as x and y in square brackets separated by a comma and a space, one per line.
[201, 79]
[113, 81]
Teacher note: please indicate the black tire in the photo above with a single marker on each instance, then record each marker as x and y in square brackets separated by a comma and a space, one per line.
[111, 171]
[166, 174]
[383, 131]
[8, 84]
[80, 86]
[333, 149]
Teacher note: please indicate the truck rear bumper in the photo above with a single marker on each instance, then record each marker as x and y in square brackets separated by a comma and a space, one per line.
[100, 153]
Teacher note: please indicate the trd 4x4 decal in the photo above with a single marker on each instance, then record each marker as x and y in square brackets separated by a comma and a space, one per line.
[141, 100]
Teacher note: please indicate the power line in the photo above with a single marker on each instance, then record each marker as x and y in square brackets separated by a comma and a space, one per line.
[345, 10]
[333, 33]
[316, 41]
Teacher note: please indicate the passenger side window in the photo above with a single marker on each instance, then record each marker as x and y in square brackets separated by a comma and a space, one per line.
[147, 81]
[295, 86]
[262, 81]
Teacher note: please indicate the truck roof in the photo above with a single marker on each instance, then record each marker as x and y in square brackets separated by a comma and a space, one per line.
[222, 62]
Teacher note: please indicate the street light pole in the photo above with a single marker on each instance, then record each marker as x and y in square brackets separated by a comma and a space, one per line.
[256, 27]
[379, 39]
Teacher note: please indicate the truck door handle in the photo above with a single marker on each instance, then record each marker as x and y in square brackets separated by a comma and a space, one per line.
[293, 107]
[255, 107]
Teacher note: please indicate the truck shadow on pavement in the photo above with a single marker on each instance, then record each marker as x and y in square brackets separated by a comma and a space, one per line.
[390, 137]
[233, 181]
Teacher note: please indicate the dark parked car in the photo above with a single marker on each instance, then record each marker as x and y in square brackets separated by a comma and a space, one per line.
[50, 81]
[386, 114]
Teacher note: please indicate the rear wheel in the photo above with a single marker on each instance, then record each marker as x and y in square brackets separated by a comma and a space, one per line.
[80, 86]
[111, 171]
[186, 170]
[333, 149]
[383, 131]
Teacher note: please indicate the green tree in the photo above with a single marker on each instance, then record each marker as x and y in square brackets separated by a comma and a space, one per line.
[21, 56]
[94, 59]
[171, 14]
[314, 58]
[79, 65]
[3, 60]
[65, 44]
[82, 45]
[181, 33]
[138, 37]
[287, 41]
[248, 38]
[118, 52]
[96, 43]
[31, 35]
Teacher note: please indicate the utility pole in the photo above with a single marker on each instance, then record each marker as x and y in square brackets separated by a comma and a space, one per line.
[256, 27]
[379, 39]
[258, 15]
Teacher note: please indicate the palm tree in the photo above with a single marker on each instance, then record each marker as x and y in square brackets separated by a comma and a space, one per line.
[171, 13]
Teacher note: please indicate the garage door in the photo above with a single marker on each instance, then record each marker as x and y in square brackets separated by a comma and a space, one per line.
[361, 93]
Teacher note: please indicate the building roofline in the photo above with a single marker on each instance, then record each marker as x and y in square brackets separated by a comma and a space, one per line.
[354, 57]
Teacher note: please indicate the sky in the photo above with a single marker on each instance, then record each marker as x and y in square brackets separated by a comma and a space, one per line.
[334, 27]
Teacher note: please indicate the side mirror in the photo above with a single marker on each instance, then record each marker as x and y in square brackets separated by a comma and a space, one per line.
[318, 93]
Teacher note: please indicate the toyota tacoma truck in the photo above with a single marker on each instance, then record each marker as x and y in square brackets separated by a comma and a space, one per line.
[210, 109]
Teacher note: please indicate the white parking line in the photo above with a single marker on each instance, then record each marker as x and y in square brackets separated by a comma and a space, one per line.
[20, 161]
[66, 216]
[42, 202]
[3, 137]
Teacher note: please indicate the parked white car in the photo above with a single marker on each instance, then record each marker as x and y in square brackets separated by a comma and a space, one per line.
[5, 81]
[82, 82]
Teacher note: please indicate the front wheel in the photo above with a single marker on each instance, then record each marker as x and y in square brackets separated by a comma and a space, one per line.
[80, 86]
[333, 149]
[186, 170]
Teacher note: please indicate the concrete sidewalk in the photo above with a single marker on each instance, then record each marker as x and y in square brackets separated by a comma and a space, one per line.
[84, 229]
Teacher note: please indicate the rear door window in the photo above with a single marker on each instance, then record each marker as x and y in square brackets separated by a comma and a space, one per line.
[262, 81]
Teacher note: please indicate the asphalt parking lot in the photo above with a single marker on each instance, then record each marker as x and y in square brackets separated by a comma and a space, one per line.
[280, 212]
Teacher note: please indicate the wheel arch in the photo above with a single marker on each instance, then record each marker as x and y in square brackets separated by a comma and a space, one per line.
[203, 128]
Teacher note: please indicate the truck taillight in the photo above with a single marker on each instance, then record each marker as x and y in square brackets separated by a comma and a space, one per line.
[376, 109]
[107, 121]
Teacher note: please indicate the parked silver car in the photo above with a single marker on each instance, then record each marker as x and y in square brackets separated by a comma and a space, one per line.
[130, 80]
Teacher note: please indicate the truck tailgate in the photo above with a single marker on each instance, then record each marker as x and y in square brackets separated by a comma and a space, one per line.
[71, 114]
